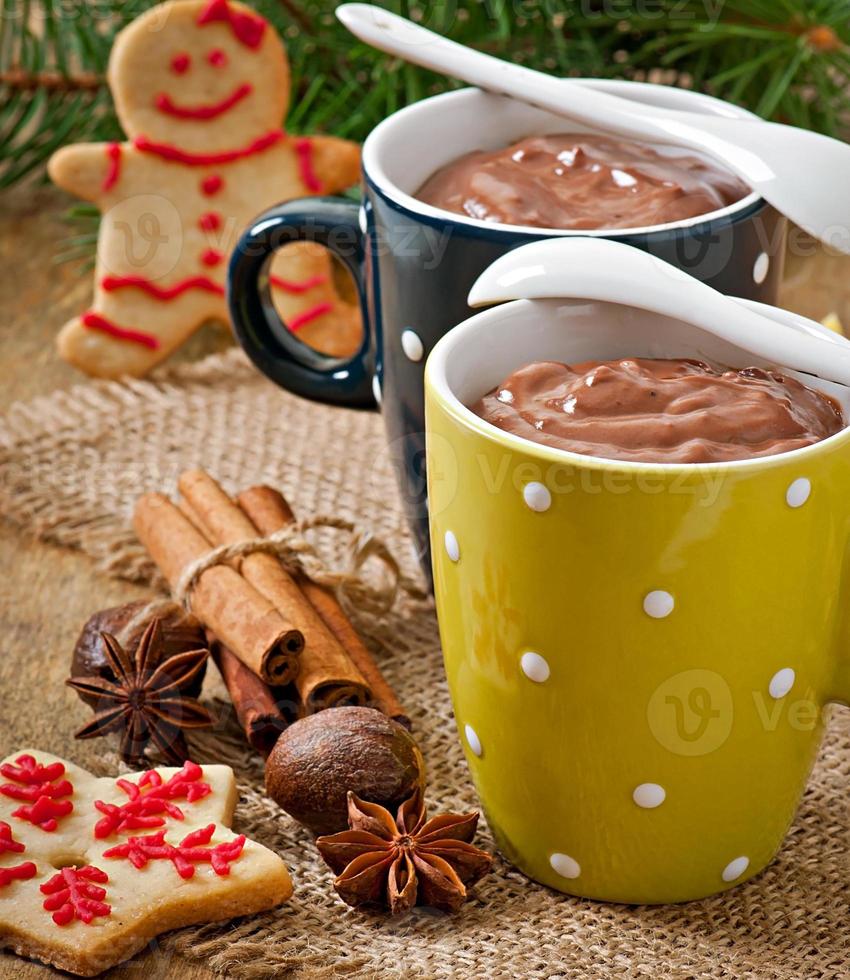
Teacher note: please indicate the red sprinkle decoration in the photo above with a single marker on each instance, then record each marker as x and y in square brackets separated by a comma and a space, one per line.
[290, 286]
[42, 787]
[165, 293]
[300, 320]
[149, 799]
[190, 851]
[35, 779]
[44, 813]
[8, 842]
[113, 169]
[217, 58]
[210, 111]
[96, 322]
[170, 152]
[75, 893]
[247, 28]
[211, 257]
[209, 221]
[20, 872]
[180, 63]
[211, 185]
[304, 151]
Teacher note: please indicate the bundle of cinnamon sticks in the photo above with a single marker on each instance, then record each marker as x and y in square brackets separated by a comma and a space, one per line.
[283, 644]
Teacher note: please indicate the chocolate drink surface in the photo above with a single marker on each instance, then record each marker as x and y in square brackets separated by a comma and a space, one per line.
[660, 411]
[580, 181]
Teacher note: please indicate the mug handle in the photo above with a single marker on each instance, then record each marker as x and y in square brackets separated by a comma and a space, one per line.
[274, 349]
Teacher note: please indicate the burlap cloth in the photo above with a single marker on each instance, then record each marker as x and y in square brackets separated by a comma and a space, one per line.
[71, 466]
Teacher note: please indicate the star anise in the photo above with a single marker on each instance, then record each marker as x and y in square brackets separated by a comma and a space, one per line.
[145, 702]
[407, 861]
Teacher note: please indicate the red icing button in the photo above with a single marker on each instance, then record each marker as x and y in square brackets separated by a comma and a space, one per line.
[212, 184]
[190, 851]
[180, 63]
[75, 893]
[211, 257]
[149, 800]
[210, 221]
[217, 58]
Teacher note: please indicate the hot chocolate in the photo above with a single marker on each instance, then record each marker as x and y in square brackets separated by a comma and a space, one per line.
[576, 181]
[662, 411]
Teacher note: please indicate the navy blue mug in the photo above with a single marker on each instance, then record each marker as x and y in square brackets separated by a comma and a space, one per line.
[414, 264]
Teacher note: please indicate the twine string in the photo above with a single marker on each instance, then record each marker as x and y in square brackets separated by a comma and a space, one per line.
[299, 557]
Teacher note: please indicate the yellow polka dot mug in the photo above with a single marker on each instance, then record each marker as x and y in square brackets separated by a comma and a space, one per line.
[639, 655]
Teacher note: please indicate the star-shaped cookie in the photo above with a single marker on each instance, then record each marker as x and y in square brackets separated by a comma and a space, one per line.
[93, 868]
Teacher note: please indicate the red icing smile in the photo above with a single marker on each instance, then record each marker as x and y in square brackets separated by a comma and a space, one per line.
[212, 110]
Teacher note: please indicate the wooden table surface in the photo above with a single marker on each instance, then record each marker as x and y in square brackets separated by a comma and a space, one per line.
[46, 592]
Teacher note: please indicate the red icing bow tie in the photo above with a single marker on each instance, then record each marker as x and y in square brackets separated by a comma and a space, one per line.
[247, 28]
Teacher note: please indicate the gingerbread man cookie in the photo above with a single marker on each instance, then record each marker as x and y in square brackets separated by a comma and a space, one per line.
[200, 87]
[92, 869]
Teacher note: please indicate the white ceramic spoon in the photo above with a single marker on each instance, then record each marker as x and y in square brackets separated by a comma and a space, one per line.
[801, 173]
[599, 269]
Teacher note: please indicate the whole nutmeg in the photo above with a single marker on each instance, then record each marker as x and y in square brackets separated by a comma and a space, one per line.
[181, 632]
[318, 759]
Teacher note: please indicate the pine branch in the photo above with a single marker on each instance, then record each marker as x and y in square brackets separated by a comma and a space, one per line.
[18, 80]
[784, 59]
[788, 59]
[298, 16]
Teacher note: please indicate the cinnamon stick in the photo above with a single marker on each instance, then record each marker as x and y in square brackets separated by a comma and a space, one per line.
[269, 511]
[235, 611]
[327, 677]
[253, 701]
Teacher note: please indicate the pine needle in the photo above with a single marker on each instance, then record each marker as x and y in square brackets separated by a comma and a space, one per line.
[785, 59]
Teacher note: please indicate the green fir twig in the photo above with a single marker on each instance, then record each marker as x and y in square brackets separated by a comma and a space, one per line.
[784, 59]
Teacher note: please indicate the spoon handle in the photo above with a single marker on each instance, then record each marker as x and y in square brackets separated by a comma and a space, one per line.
[613, 272]
[599, 110]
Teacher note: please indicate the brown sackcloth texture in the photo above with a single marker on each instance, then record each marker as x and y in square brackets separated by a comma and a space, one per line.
[71, 466]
